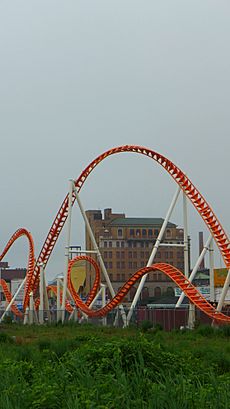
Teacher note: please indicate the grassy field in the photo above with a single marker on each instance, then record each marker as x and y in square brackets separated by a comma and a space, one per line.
[88, 367]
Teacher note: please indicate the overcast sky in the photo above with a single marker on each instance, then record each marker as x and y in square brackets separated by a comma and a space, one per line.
[80, 77]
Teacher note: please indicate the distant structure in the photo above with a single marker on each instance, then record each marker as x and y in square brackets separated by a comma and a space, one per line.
[126, 243]
[13, 278]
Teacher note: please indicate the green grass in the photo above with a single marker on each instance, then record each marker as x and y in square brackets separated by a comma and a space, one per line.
[88, 367]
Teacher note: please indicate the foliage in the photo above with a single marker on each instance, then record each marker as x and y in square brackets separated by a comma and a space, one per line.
[106, 368]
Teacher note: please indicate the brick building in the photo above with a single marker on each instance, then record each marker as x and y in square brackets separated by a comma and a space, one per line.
[12, 276]
[126, 243]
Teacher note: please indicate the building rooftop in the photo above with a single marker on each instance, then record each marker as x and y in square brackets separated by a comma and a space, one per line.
[140, 221]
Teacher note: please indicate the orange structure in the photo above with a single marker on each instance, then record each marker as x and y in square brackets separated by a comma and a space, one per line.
[191, 193]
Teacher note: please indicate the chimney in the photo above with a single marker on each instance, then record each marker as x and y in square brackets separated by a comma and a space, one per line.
[201, 246]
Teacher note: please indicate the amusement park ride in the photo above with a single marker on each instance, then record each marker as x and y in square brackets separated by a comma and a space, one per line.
[35, 289]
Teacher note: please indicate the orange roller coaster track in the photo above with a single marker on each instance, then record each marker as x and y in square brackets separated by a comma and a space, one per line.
[177, 276]
[30, 268]
[192, 194]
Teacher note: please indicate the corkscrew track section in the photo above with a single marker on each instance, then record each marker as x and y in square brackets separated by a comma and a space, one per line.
[30, 268]
[192, 293]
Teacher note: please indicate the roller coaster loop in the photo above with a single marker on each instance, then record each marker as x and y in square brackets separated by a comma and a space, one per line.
[30, 268]
[192, 194]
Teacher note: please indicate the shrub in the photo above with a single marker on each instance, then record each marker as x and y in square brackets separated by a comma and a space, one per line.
[146, 325]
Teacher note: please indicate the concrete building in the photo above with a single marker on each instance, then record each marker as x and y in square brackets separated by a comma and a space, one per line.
[126, 243]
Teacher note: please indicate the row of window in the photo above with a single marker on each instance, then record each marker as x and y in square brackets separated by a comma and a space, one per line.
[133, 264]
[142, 244]
[142, 254]
[143, 232]
[154, 277]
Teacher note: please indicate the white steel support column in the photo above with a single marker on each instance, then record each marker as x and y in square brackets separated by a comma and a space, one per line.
[58, 299]
[211, 271]
[186, 255]
[69, 218]
[46, 301]
[100, 259]
[191, 314]
[154, 251]
[41, 290]
[31, 309]
[13, 299]
[103, 298]
[224, 292]
[194, 271]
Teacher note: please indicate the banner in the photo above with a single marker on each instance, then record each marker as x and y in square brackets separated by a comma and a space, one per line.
[78, 274]
[220, 275]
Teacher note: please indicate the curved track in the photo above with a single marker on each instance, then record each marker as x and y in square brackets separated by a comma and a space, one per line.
[172, 272]
[30, 268]
[176, 173]
[193, 195]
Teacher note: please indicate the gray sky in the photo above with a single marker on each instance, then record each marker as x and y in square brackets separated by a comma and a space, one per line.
[80, 77]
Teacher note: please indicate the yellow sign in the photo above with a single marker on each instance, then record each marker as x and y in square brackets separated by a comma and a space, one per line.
[78, 274]
[220, 275]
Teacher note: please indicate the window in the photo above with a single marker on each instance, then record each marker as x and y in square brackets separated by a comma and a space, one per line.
[122, 244]
[134, 264]
[171, 254]
[110, 254]
[159, 277]
[138, 232]
[130, 254]
[110, 264]
[142, 244]
[105, 254]
[122, 264]
[134, 244]
[157, 292]
[118, 254]
[134, 254]
[123, 277]
[111, 276]
[106, 264]
[110, 244]
[122, 254]
[118, 244]
[105, 243]
[130, 264]
[144, 232]
[131, 232]
[118, 277]
[170, 291]
[142, 254]
[129, 244]
[119, 232]
[142, 263]
[118, 264]
[156, 232]
[168, 233]
[150, 232]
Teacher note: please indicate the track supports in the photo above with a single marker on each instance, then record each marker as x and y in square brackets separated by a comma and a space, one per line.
[154, 251]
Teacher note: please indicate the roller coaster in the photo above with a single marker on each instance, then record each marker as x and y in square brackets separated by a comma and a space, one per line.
[33, 276]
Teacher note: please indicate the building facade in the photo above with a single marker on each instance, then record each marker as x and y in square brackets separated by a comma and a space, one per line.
[126, 243]
[13, 278]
